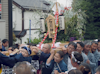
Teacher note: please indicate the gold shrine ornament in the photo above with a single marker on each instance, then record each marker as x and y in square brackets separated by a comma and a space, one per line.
[57, 25]
[53, 32]
[44, 34]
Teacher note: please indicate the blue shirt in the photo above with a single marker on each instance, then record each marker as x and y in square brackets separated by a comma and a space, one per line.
[97, 57]
[3, 48]
[62, 65]
[92, 61]
[85, 58]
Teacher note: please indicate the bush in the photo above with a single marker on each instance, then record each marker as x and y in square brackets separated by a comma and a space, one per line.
[33, 41]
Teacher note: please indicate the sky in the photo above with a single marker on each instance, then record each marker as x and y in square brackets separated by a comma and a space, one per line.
[65, 2]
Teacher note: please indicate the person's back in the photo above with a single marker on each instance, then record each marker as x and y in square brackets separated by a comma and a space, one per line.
[23, 68]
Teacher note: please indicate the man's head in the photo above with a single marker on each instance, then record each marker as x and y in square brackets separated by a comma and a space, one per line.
[23, 68]
[85, 68]
[94, 45]
[98, 70]
[71, 47]
[46, 48]
[5, 42]
[76, 59]
[80, 47]
[75, 71]
[87, 46]
[25, 51]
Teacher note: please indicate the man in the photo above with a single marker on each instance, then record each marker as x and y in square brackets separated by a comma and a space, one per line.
[79, 49]
[42, 55]
[90, 56]
[95, 52]
[67, 51]
[20, 55]
[4, 44]
[99, 45]
[23, 68]
[76, 60]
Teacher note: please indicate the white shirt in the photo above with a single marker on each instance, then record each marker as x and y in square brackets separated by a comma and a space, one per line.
[69, 64]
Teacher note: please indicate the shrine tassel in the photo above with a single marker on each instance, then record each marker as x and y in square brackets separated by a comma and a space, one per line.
[56, 16]
[43, 40]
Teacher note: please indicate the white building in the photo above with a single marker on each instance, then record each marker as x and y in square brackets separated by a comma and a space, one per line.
[25, 10]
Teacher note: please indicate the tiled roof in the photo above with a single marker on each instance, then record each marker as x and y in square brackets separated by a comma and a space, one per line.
[33, 4]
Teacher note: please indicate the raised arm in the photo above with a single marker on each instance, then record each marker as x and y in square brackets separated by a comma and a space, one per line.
[51, 57]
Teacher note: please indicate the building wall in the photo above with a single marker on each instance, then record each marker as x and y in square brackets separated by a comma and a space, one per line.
[28, 15]
[4, 17]
[34, 17]
[2, 29]
[17, 18]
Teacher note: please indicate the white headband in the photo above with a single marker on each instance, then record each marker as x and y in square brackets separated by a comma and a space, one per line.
[75, 58]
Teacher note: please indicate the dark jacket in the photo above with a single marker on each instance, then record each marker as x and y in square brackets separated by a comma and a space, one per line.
[42, 59]
[13, 59]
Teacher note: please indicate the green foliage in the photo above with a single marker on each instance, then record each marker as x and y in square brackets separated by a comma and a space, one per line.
[33, 41]
[76, 5]
[74, 24]
[14, 37]
[92, 9]
[71, 27]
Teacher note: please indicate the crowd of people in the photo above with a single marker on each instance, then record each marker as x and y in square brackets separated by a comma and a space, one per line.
[75, 58]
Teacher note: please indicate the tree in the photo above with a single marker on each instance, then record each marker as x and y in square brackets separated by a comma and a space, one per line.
[92, 10]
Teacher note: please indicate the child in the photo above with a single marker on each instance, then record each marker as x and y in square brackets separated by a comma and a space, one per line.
[56, 63]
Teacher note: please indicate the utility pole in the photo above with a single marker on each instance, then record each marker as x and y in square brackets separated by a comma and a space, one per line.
[10, 22]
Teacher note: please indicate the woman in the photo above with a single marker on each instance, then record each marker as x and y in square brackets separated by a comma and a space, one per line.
[55, 62]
